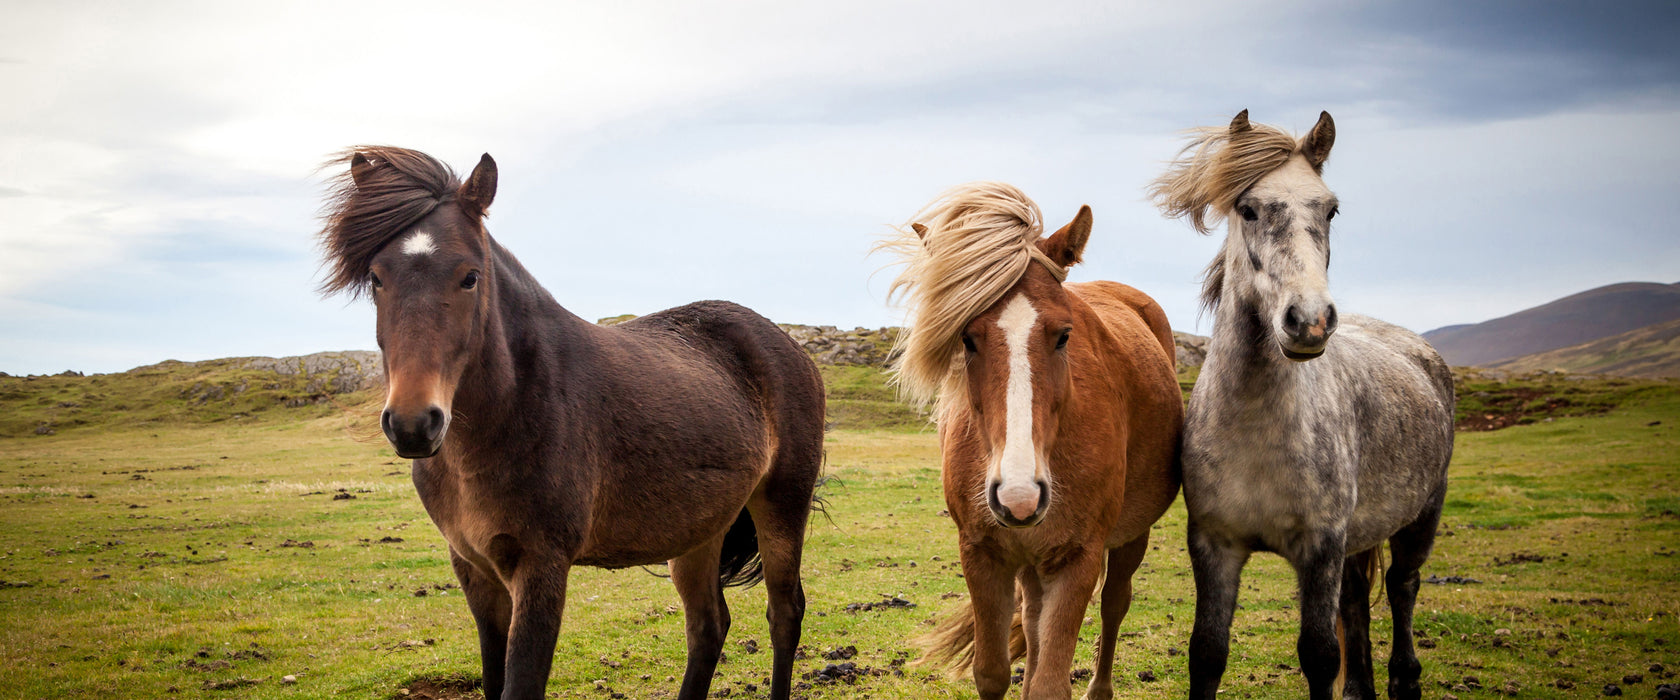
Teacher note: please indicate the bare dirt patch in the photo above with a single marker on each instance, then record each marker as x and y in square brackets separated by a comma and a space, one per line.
[450, 687]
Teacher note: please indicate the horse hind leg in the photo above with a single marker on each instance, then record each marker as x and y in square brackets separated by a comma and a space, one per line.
[706, 614]
[1354, 624]
[781, 507]
[1410, 549]
[781, 541]
[1123, 561]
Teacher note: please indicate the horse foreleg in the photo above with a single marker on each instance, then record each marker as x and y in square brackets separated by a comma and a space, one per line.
[538, 591]
[991, 591]
[1318, 573]
[1067, 592]
[695, 575]
[1355, 623]
[1218, 570]
[1410, 549]
[1116, 602]
[1032, 607]
[492, 610]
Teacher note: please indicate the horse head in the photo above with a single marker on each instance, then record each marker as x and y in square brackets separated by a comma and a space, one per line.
[431, 283]
[1278, 247]
[1015, 356]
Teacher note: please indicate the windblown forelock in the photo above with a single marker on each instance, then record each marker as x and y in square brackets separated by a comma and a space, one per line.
[1210, 173]
[979, 240]
[398, 189]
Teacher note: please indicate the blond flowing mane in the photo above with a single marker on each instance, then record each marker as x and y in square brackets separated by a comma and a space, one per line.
[1216, 167]
[960, 254]
[1213, 169]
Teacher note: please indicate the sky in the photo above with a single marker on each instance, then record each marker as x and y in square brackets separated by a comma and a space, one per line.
[159, 190]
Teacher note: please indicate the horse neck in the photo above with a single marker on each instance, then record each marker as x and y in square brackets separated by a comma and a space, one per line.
[527, 340]
[1095, 407]
[1245, 363]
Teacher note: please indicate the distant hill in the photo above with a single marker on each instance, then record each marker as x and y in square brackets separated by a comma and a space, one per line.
[1651, 352]
[229, 389]
[1572, 320]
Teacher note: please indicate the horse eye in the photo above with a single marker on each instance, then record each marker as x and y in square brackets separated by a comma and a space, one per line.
[1061, 342]
[968, 343]
[1333, 212]
[374, 279]
[470, 281]
[1247, 213]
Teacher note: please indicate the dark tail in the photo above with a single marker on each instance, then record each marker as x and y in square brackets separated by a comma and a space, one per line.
[740, 564]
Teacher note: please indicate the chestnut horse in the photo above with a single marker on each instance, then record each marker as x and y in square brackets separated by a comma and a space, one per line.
[542, 441]
[1059, 414]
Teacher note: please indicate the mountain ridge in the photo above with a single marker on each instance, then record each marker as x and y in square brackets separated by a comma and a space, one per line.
[1572, 320]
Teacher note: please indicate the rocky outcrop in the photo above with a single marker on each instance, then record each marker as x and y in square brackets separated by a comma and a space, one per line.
[1192, 349]
[328, 372]
[871, 347]
[829, 345]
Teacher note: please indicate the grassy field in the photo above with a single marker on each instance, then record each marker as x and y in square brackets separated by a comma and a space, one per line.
[214, 552]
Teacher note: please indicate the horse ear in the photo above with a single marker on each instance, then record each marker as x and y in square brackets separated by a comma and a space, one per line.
[1065, 246]
[1316, 144]
[480, 189]
[921, 231]
[1240, 123]
[360, 169]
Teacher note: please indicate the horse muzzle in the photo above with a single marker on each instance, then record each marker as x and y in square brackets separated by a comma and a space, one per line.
[1015, 514]
[416, 436]
[1304, 336]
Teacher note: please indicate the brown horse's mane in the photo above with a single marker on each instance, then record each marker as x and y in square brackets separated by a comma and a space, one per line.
[398, 188]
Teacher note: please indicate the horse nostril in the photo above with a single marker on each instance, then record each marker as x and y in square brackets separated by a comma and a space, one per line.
[385, 422]
[434, 422]
[1330, 320]
[1294, 321]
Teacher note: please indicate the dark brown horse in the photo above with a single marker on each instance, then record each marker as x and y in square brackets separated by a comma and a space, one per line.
[1059, 417]
[543, 441]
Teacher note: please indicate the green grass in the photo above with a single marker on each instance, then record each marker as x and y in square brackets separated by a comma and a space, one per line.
[165, 554]
[1494, 400]
[861, 398]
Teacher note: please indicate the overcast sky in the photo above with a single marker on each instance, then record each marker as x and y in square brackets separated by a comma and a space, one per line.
[158, 196]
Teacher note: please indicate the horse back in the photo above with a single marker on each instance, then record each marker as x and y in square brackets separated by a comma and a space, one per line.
[1113, 299]
[738, 343]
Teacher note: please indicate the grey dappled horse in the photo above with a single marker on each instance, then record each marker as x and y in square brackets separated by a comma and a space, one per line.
[1316, 450]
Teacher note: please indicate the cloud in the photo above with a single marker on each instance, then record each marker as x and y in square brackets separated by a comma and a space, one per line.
[657, 152]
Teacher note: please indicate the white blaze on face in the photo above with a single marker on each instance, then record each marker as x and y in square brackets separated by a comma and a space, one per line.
[1017, 465]
[419, 244]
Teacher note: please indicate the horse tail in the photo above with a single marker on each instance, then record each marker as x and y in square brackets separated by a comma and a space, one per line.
[1374, 572]
[1371, 561]
[951, 643]
[740, 563]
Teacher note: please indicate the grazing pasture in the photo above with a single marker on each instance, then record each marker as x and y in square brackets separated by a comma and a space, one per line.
[179, 547]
